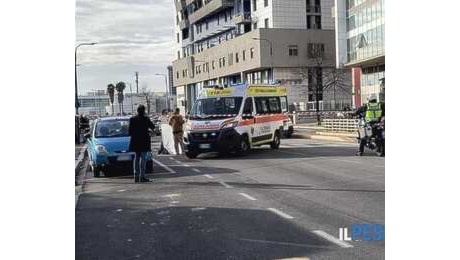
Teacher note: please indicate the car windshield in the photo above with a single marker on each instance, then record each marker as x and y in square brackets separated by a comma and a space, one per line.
[219, 107]
[112, 128]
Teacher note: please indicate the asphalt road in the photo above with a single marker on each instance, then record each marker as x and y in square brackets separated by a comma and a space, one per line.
[288, 203]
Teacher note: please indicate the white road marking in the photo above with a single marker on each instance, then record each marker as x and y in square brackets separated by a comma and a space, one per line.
[119, 210]
[225, 185]
[198, 209]
[280, 213]
[164, 166]
[195, 170]
[171, 195]
[332, 239]
[348, 161]
[208, 176]
[186, 165]
[284, 244]
[247, 196]
[121, 190]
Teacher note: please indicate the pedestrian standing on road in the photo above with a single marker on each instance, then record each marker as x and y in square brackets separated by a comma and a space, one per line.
[139, 126]
[177, 122]
[164, 119]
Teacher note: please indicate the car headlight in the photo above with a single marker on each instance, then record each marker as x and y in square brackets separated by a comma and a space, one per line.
[100, 149]
[230, 124]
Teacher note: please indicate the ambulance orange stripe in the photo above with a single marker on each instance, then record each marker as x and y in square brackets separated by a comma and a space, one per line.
[265, 119]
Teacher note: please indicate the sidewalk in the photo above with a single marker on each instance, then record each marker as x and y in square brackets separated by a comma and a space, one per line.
[313, 131]
[80, 154]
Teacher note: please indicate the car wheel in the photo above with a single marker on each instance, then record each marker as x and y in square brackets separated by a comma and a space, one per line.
[96, 171]
[191, 154]
[244, 146]
[275, 144]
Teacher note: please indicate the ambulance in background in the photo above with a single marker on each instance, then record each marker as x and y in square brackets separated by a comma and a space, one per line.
[236, 119]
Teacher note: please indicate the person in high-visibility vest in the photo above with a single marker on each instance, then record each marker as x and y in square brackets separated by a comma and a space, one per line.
[372, 112]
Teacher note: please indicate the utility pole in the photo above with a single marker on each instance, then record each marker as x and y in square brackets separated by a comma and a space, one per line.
[137, 82]
[131, 90]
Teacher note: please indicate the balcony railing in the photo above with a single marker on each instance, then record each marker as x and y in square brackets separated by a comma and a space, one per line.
[211, 7]
[184, 24]
[313, 9]
[180, 4]
[243, 18]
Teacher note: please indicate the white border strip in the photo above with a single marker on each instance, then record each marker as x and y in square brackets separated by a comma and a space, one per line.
[164, 166]
[280, 213]
[332, 239]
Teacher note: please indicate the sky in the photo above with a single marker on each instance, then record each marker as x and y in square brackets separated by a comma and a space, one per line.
[131, 35]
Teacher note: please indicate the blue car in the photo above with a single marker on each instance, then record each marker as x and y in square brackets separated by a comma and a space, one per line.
[108, 144]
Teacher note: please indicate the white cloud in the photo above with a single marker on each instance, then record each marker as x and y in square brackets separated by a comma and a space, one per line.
[135, 33]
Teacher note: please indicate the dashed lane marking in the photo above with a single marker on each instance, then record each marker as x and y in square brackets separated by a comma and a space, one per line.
[195, 170]
[225, 185]
[208, 176]
[164, 166]
[332, 239]
[280, 213]
[247, 196]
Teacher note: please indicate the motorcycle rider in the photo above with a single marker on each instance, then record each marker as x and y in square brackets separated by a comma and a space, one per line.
[372, 112]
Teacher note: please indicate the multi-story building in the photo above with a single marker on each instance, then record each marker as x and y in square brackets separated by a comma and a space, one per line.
[360, 41]
[254, 41]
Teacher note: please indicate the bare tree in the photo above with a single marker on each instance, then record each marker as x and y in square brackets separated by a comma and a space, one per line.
[323, 78]
[146, 94]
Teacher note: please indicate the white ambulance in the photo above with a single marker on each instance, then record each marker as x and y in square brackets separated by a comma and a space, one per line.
[235, 119]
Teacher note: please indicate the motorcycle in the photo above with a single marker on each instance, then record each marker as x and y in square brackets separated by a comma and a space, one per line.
[373, 134]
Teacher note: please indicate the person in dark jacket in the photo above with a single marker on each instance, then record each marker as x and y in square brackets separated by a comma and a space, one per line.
[140, 142]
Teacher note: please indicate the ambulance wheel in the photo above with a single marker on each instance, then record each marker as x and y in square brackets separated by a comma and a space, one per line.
[275, 144]
[244, 146]
[191, 154]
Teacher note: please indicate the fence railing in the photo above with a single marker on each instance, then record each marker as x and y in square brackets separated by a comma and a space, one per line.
[340, 125]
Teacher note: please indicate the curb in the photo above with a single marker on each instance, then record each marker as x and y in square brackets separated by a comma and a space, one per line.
[80, 158]
[78, 165]
[340, 139]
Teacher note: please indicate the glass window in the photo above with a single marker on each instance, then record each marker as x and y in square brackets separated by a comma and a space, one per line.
[284, 107]
[262, 105]
[274, 105]
[112, 128]
[216, 107]
[248, 106]
[293, 50]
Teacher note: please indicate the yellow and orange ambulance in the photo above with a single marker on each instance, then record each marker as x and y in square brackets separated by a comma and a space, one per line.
[236, 118]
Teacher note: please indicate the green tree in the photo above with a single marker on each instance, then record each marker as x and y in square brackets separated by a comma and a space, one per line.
[111, 92]
[120, 87]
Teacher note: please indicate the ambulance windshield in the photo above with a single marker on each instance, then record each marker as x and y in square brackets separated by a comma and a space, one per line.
[217, 107]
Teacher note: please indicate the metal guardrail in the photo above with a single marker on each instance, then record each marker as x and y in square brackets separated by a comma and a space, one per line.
[340, 125]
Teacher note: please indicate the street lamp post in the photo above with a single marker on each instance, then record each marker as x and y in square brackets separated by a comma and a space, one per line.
[271, 54]
[77, 105]
[167, 89]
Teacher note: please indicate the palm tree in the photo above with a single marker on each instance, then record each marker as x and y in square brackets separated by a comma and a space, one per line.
[111, 92]
[120, 87]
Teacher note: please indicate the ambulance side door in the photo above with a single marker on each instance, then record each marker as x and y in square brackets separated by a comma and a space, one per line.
[262, 129]
[248, 116]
